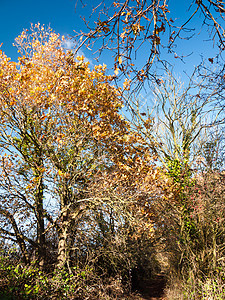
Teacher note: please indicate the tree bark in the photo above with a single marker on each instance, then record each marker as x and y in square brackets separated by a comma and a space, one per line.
[40, 254]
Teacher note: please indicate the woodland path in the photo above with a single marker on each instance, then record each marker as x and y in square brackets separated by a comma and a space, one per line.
[153, 289]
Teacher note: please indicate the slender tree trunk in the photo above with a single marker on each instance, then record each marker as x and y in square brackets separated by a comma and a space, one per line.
[19, 237]
[40, 251]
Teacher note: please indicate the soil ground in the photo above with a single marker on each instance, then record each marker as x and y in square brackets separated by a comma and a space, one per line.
[153, 289]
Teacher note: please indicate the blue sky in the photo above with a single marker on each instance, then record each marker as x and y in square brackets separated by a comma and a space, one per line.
[18, 15]
[64, 18]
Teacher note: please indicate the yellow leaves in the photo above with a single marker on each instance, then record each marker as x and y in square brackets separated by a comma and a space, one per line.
[127, 16]
[59, 138]
[17, 76]
[60, 173]
[29, 186]
[116, 71]
[63, 174]
[126, 137]
[12, 102]
[123, 34]
[59, 72]
[137, 28]
[148, 123]
[69, 91]
[53, 97]
[80, 58]
[126, 84]
[120, 60]
[103, 26]
[99, 132]
[35, 180]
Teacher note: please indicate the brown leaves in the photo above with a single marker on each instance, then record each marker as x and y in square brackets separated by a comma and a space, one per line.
[160, 29]
[210, 60]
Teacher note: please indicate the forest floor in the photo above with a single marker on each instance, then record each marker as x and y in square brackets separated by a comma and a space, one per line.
[153, 289]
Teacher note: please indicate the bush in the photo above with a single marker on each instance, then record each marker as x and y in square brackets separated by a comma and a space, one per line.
[193, 228]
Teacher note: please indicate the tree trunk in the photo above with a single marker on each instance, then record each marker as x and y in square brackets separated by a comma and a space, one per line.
[40, 251]
[63, 251]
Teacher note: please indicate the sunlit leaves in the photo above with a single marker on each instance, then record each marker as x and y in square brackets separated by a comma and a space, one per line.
[63, 119]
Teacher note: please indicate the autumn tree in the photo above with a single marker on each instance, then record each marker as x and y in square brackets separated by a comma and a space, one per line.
[61, 132]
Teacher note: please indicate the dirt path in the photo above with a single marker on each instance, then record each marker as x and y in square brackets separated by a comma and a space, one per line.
[153, 289]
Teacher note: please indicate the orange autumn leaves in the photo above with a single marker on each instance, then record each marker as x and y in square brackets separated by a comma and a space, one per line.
[48, 82]
[56, 105]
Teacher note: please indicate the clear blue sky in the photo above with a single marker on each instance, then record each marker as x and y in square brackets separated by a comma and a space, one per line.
[64, 18]
[18, 15]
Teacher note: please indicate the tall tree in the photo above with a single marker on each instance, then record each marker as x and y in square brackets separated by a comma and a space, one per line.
[60, 126]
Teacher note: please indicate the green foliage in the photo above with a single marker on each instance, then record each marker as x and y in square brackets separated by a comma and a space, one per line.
[29, 282]
[178, 170]
[18, 280]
